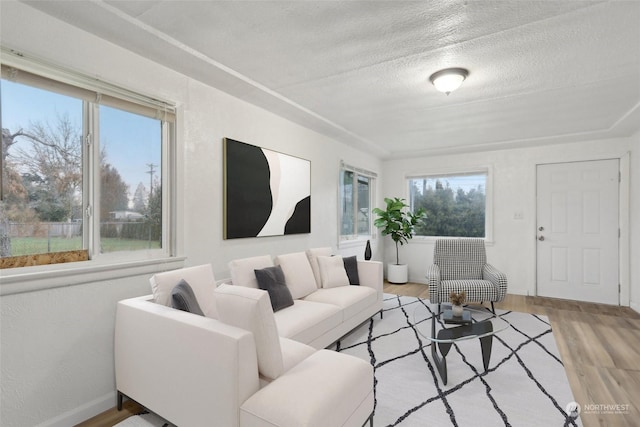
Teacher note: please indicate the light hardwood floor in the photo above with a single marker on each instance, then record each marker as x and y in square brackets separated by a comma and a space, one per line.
[599, 345]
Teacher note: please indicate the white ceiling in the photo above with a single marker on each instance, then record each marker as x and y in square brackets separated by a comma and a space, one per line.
[540, 72]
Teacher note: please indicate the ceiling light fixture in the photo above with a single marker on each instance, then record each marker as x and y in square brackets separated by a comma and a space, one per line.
[449, 79]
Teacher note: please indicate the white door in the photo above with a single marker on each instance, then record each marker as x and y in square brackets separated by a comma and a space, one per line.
[577, 231]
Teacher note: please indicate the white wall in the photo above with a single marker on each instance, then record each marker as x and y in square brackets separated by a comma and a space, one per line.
[203, 175]
[634, 215]
[57, 344]
[514, 187]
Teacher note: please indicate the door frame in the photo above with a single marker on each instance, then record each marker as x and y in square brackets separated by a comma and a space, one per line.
[624, 272]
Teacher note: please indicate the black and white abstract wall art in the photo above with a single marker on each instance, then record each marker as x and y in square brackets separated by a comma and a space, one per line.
[266, 193]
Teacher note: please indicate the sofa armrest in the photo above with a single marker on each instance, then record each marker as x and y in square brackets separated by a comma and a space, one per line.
[370, 274]
[187, 368]
[433, 279]
[498, 278]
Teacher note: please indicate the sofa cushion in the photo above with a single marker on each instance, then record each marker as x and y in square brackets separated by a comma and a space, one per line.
[476, 290]
[183, 298]
[297, 273]
[326, 389]
[242, 270]
[271, 279]
[199, 277]
[312, 255]
[351, 299]
[294, 352]
[351, 267]
[332, 272]
[305, 321]
[250, 309]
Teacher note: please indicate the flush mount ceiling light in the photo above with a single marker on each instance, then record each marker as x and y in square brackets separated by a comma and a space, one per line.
[449, 79]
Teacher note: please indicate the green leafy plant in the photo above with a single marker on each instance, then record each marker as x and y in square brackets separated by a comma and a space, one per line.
[397, 221]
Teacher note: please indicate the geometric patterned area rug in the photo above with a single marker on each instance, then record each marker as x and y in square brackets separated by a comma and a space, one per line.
[525, 384]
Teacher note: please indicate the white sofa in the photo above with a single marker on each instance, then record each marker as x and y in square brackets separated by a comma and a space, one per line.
[240, 364]
[320, 315]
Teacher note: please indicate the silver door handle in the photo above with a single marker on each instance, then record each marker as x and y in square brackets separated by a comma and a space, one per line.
[541, 238]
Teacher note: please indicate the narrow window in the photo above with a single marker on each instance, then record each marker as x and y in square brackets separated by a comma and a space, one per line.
[355, 194]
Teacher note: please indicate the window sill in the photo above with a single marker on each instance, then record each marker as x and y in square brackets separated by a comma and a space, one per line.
[353, 243]
[31, 279]
[432, 239]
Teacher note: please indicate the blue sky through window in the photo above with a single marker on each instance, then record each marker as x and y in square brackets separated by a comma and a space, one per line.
[131, 141]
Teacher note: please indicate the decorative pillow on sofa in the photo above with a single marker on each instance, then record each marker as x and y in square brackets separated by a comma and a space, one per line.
[271, 279]
[312, 255]
[183, 298]
[351, 267]
[249, 309]
[242, 270]
[298, 274]
[332, 272]
[201, 280]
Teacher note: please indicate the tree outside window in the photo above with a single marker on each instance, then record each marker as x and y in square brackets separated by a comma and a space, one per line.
[455, 205]
[51, 182]
[41, 208]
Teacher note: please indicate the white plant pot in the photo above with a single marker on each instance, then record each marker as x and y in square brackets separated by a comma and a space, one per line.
[457, 310]
[397, 273]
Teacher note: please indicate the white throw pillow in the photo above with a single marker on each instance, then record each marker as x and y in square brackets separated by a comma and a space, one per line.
[242, 270]
[250, 309]
[200, 278]
[297, 274]
[312, 255]
[332, 272]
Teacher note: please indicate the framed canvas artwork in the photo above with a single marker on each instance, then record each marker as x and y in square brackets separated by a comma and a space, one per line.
[266, 193]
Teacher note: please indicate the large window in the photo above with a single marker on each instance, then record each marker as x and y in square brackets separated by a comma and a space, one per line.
[82, 168]
[356, 191]
[455, 204]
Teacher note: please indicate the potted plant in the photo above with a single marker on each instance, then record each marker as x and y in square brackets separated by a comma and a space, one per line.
[457, 299]
[399, 223]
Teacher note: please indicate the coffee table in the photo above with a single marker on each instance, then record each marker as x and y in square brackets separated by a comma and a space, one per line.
[447, 330]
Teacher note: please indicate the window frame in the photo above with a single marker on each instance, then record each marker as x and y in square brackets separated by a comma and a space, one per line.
[438, 173]
[355, 237]
[104, 93]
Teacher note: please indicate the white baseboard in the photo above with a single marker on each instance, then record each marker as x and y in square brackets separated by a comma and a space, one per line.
[82, 413]
[635, 306]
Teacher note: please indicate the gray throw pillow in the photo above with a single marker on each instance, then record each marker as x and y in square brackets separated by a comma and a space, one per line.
[351, 267]
[183, 298]
[271, 279]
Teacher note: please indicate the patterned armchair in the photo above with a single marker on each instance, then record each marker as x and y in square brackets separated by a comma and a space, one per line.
[461, 265]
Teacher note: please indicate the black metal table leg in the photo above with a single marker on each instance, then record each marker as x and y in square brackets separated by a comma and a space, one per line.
[479, 328]
[440, 362]
[485, 345]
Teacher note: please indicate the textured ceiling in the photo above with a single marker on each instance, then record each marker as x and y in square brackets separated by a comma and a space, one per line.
[540, 72]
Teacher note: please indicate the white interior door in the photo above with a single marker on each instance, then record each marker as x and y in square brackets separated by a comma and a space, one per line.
[577, 231]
